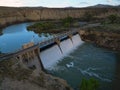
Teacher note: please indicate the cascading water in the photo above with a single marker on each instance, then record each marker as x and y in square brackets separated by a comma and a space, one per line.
[52, 55]
[66, 46]
[76, 40]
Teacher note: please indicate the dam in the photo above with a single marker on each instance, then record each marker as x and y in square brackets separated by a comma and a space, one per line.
[58, 46]
[55, 53]
[69, 58]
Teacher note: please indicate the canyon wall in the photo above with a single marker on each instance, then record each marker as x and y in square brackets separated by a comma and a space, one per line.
[11, 15]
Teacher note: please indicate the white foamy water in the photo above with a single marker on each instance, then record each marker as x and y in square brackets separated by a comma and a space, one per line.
[66, 46]
[71, 64]
[77, 40]
[51, 56]
[90, 73]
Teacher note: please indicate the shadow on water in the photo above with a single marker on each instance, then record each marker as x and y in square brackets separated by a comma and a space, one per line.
[116, 81]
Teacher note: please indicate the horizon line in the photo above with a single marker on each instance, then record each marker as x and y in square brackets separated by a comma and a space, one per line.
[62, 7]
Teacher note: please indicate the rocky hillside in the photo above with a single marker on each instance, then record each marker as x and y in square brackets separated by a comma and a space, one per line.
[11, 15]
[15, 77]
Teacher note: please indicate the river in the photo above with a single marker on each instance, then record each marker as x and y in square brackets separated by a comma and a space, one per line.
[14, 36]
[86, 61]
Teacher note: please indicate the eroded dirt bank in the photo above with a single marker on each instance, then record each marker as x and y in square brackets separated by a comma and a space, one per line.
[102, 38]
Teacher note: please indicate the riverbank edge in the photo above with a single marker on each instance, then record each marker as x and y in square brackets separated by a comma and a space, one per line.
[103, 38]
[13, 76]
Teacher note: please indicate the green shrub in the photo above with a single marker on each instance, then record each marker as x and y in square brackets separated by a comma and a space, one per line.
[44, 26]
[90, 84]
[112, 18]
[66, 22]
[41, 26]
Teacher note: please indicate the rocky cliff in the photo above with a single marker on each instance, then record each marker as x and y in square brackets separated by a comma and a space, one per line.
[104, 38]
[10, 15]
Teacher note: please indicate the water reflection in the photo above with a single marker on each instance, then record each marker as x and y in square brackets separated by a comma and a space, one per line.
[15, 36]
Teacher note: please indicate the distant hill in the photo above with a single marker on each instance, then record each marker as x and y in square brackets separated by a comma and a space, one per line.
[118, 6]
[97, 6]
[103, 6]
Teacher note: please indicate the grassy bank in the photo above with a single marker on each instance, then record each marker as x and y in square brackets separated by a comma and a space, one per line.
[53, 27]
[46, 27]
[106, 27]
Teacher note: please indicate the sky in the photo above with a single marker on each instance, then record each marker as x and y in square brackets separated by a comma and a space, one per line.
[56, 3]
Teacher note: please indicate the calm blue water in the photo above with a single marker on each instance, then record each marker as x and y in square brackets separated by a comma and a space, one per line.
[15, 36]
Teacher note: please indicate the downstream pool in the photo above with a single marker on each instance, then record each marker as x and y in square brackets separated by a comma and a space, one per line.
[89, 61]
[86, 61]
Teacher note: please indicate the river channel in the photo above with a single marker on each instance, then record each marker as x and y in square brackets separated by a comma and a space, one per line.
[86, 61]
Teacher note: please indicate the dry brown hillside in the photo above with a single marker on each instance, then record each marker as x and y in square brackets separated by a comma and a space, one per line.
[11, 15]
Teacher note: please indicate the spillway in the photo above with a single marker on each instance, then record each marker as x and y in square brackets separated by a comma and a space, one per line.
[50, 56]
[53, 54]
[66, 46]
[76, 40]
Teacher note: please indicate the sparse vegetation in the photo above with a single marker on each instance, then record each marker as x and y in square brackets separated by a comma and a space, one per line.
[112, 18]
[67, 22]
[91, 84]
[106, 28]
[39, 80]
[88, 16]
[42, 26]
[53, 27]
[7, 70]
[11, 71]
[110, 24]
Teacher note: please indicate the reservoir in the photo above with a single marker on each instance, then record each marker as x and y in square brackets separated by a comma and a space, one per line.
[13, 37]
[79, 60]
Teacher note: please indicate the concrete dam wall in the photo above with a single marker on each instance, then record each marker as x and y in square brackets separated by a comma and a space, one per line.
[10, 15]
[45, 54]
[52, 55]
